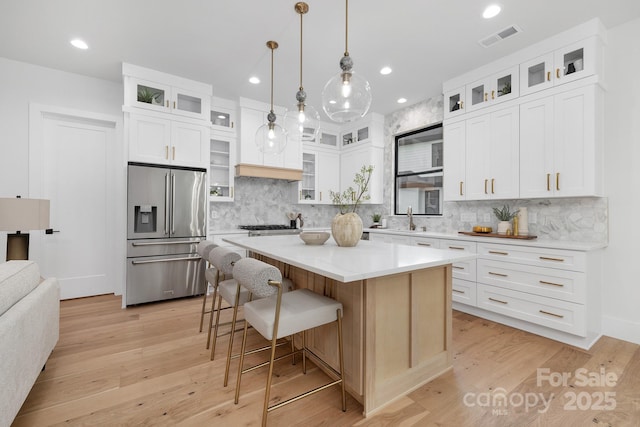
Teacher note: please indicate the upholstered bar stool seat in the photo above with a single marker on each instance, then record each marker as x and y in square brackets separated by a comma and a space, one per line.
[203, 249]
[277, 315]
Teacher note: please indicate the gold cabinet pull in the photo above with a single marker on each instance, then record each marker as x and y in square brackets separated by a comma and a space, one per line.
[231, 193]
[231, 125]
[321, 196]
[457, 267]
[543, 282]
[461, 188]
[300, 195]
[425, 244]
[173, 153]
[548, 76]
[548, 182]
[174, 105]
[498, 274]
[166, 152]
[485, 186]
[461, 105]
[558, 181]
[498, 253]
[493, 94]
[492, 185]
[167, 103]
[457, 248]
[486, 95]
[546, 258]
[557, 73]
[497, 300]
[552, 314]
[455, 290]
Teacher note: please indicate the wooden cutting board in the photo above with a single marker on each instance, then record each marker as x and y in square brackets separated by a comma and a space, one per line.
[502, 236]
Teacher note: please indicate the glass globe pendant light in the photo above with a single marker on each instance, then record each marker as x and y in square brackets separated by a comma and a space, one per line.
[271, 138]
[346, 96]
[304, 121]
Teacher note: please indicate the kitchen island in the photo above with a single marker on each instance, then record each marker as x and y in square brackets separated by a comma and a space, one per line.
[397, 309]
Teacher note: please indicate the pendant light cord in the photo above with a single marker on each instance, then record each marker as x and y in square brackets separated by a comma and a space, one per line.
[346, 29]
[272, 48]
[301, 88]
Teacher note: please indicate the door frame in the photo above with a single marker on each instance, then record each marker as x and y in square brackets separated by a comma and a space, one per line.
[116, 169]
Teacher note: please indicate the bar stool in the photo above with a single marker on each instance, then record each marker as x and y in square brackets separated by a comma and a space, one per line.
[277, 315]
[222, 260]
[203, 249]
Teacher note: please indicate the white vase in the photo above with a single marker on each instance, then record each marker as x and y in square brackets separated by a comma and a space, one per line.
[503, 227]
[346, 229]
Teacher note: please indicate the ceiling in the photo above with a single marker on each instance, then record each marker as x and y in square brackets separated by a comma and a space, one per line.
[223, 42]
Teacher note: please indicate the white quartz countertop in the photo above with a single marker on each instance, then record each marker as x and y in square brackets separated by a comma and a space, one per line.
[552, 244]
[363, 261]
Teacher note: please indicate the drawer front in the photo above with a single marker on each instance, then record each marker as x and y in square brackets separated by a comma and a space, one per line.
[548, 282]
[429, 242]
[464, 291]
[459, 245]
[561, 315]
[465, 270]
[553, 258]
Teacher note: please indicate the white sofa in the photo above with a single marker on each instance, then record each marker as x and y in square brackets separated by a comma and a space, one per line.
[29, 330]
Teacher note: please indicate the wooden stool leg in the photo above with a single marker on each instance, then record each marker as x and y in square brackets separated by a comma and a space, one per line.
[341, 354]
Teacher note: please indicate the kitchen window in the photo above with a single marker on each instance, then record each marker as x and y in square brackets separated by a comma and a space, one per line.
[418, 171]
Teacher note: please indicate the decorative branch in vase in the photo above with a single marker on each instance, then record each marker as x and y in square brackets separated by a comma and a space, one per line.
[346, 226]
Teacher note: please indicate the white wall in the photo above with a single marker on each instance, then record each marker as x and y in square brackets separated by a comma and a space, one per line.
[621, 284]
[22, 84]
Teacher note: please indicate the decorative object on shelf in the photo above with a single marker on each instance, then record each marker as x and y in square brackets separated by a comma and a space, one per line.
[17, 215]
[147, 95]
[376, 217]
[505, 216]
[482, 229]
[346, 96]
[523, 221]
[314, 237]
[346, 226]
[303, 122]
[506, 89]
[271, 138]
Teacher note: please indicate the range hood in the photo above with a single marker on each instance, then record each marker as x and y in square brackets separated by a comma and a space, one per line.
[259, 171]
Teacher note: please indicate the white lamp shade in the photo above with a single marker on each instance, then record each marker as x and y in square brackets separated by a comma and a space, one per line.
[17, 214]
[346, 102]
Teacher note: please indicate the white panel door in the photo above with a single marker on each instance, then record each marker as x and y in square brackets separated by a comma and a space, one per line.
[75, 178]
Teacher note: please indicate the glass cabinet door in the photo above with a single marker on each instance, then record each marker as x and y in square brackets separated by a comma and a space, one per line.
[220, 169]
[454, 103]
[477, 95]
[151, 95]
[536, 74]
[190, 104]
[329, 139]
[575, 61]
[223, 119]
[308, 183]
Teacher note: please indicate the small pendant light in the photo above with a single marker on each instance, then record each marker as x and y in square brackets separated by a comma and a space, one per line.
[303, 122]
[271, 138]
[347, 96]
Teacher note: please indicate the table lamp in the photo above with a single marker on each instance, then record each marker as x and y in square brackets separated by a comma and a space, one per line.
[17, 215]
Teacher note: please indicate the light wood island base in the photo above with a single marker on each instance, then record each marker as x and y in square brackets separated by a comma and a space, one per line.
[397, 330]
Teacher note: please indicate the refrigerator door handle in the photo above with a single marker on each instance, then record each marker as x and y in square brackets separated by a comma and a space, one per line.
[173, 203]
[166, 203]
[152, 261]
[181, 242]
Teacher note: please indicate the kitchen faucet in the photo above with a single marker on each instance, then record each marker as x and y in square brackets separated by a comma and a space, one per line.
[412, 226]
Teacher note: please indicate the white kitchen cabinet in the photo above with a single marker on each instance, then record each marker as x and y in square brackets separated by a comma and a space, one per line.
[319, 175]
[368, 130]
[454, 149]
[561, 144]
[492, 155]
[329, 136]
[222, 159]
[223, 115]
[454, 102]
[491, 90]
[570, 63]
[351, 162]
[163, 141]
[164, 93]
[253, 114]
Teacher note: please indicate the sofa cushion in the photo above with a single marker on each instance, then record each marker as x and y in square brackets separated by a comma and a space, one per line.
[17, 279]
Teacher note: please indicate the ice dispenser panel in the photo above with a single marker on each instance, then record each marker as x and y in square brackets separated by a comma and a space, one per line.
[146, 219]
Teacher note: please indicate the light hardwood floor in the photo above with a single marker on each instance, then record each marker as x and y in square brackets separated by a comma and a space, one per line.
[147, 365]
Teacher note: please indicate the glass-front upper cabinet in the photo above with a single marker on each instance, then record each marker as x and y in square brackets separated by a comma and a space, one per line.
[497, 88]
[564, 65]
[168, 99]
[308, 185]
[454, 103]
[223, 115]
[221, 174]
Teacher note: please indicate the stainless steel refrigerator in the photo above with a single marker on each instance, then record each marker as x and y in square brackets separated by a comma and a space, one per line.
[166, 219]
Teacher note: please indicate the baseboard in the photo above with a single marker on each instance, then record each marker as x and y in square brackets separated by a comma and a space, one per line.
[621, 329]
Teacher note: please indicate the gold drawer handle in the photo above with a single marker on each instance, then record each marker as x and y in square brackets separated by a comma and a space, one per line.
[498, 253]
[458, 248]
[497, 300]
[548, 76]
[485, 96]
[461, 105]
[493, 94]
[492, 185]
[423, 244]
[457, 267]
[498, 274]
[545, 258]
[548, 182]
[557, 73]
[455, 290]
[485, 186]
[461, 188]
[552, 314]
[558, 181]
[551, 283]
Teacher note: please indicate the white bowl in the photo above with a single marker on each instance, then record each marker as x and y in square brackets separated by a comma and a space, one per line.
[314, 237]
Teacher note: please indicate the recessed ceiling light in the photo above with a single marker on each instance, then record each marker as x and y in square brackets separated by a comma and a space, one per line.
[491, 11]
[254, 80]
[80, 44]
[385, 70]
[401, 100]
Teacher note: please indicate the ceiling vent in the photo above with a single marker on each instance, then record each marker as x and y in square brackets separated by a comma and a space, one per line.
[500, 35]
